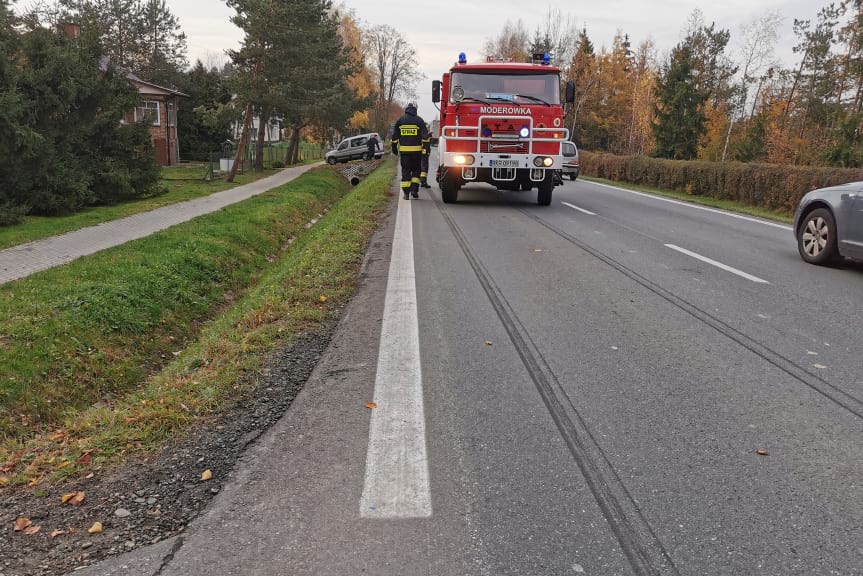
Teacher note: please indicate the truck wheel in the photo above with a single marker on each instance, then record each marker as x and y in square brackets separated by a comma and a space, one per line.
[543, 197]
[448, 190]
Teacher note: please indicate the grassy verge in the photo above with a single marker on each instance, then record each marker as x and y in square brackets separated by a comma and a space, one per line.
[182, 183]
[119, 352]
[729, 205]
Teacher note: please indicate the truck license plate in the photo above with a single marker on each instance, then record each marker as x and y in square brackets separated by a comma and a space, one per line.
[503, 163]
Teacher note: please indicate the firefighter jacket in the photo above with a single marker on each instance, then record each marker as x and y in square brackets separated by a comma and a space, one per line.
[410, 133]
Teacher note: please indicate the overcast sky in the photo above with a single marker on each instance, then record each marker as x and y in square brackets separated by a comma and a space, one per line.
[466, 25]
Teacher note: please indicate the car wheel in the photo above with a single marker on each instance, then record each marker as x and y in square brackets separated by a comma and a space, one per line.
[331, 160]
[573, 176]
[816, 238]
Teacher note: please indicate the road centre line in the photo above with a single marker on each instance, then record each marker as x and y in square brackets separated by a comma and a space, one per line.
[717, 264]
[396, 482]
[695, 206]
[574, 207]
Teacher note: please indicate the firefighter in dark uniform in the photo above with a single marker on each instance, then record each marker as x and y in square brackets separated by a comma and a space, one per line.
[409, 133]
[424, 165]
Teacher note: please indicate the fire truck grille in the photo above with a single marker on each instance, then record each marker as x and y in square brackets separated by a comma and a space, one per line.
[504, 146]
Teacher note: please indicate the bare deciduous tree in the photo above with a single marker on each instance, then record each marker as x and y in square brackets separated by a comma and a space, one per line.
[756, 52]
[393, 63]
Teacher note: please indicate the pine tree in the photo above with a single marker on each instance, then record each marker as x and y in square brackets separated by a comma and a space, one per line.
[679, 107]
[163, 42]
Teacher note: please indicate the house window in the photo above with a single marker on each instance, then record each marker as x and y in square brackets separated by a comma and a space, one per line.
[172, 114]
[148, 109]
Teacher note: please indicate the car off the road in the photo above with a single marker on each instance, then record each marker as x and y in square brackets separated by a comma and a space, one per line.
[354, 148]
[828, 224]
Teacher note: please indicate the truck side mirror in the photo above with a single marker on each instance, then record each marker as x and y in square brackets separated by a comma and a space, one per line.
[435, 91]
[570, 92]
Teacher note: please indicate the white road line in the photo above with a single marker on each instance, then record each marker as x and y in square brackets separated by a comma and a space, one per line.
[695, 206]
[397, 478]
[718, 264]
[574, 207]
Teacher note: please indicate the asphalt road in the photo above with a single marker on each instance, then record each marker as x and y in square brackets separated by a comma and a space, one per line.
[587, 395]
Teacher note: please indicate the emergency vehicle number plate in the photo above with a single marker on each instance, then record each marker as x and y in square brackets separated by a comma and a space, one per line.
[503, 163]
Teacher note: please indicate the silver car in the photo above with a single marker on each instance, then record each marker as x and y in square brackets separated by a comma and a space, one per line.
[571, 163]
[828, 223]
[355, 148]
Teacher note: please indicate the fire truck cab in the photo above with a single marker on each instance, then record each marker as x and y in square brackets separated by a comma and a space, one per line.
[501, 123]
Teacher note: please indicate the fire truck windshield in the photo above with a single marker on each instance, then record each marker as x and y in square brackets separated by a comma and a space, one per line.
[543, 88]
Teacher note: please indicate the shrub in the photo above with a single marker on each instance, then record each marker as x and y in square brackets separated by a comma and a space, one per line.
[770, 186]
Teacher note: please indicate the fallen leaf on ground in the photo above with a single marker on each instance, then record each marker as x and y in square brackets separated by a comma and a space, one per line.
[22, 523]
[206, 475]
[3, 480]
[32, 530]
[64, 464]
[762, 452]
[371, 405]
[96, 528]
[58, 435]
[88, 476]
[85, 458]
[33, 482]
[322, 298]
[57, 532]
[488, 342]
[73, 498]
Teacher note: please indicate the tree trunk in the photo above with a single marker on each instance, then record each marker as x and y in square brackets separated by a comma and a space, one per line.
[295, 146]
[263, 120]
[290, 151]
[241, 146]
[294, 150]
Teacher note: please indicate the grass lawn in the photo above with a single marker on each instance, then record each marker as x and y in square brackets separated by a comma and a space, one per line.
[729, 205]
[182, 183]
[118, 352]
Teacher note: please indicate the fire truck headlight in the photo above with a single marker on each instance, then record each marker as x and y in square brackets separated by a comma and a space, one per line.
[547, 161]
[524, 132]
[463, 159]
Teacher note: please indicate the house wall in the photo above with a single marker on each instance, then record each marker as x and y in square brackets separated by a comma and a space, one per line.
[164, 138]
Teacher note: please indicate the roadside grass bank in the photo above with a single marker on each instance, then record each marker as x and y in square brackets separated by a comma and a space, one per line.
[117, 353]
[729, 205]
[182, 183]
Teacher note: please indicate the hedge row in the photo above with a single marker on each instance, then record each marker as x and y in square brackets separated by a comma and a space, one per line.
[770, 186]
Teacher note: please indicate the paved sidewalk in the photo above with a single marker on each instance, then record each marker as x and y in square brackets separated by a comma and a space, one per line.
[25, 259]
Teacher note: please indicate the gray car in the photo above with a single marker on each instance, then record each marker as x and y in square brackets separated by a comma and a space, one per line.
[354, 148]
[571, 163]
[828, 223]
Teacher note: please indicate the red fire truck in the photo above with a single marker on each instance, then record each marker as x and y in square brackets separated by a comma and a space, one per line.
[501, 123]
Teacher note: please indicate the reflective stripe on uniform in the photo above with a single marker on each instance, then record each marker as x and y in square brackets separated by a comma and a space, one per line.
[406, 184]
[414, 181]
[410, 148]
[423, 174]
